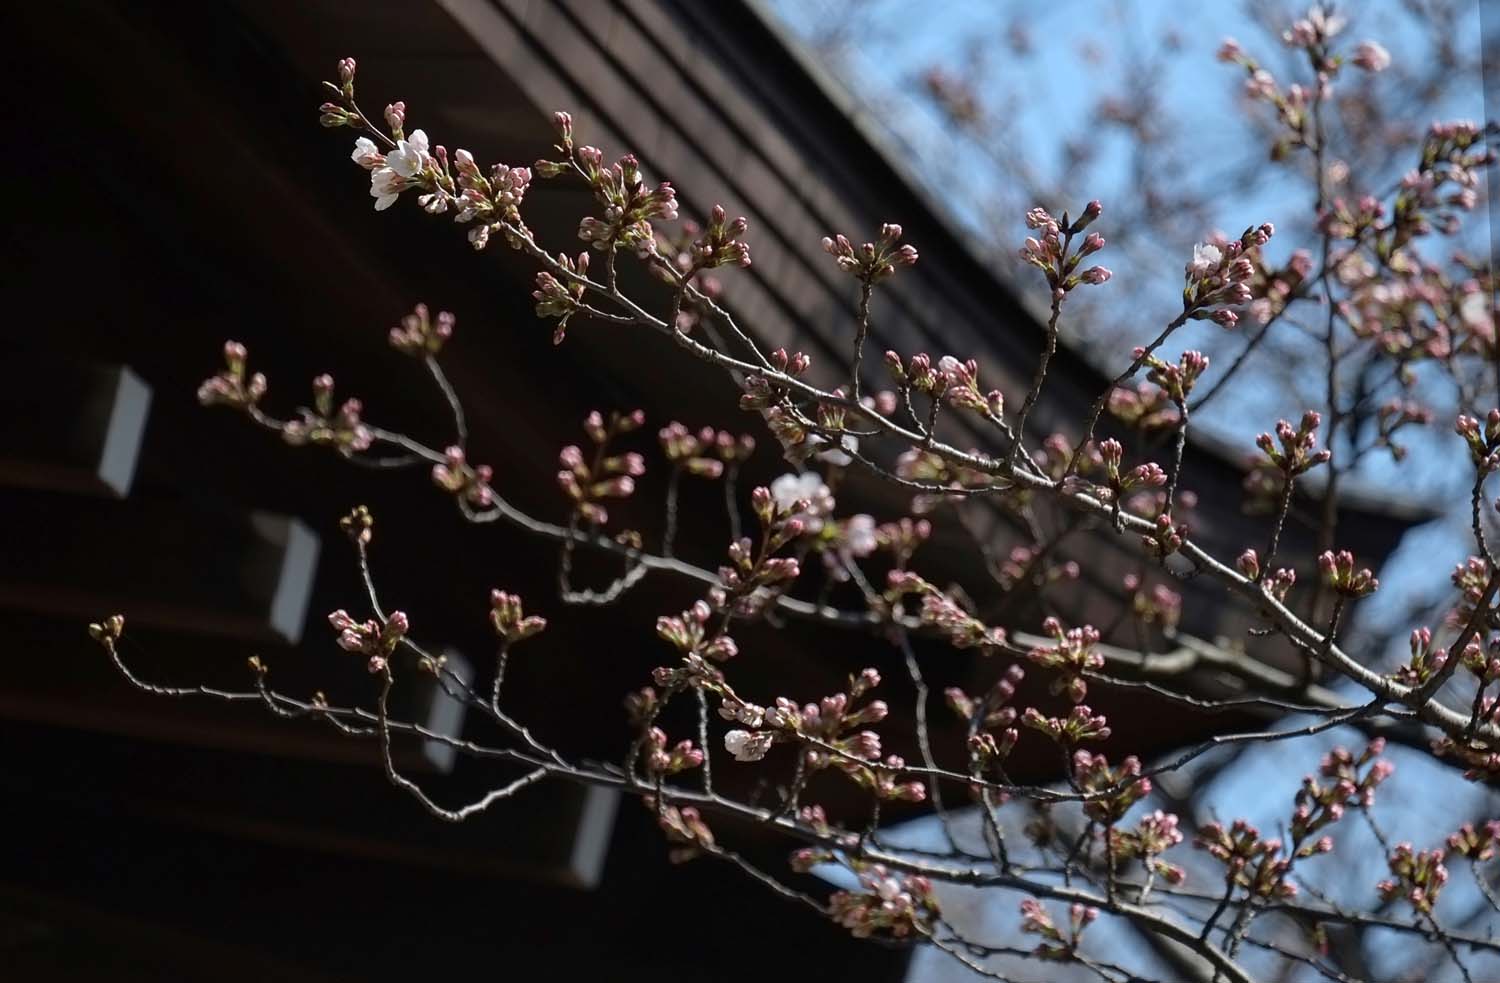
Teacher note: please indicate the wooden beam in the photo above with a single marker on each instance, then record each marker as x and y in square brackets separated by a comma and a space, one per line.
[554, 831]
[209, 571]
[73, 427]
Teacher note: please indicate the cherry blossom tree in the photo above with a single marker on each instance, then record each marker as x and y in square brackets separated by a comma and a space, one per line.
[1104, 844]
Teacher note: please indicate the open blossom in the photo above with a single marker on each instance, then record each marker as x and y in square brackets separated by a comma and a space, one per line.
[471, 482]
[1206, 259]
[402, 166]
[888, 903]
[859, 535]
[1371, 56]
[366, 154]
[808, 487]
[409, 158]
[1318, 25]
[385, 187]
[747, 745]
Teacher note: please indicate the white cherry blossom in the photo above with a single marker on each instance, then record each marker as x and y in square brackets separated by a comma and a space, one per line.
[808, 487]
[409, 158]
[385, 187]
[366, 154]
[859, 535]
[746, 745]
[1206, 259]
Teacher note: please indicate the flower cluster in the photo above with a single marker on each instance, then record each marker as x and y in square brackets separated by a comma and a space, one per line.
[1295, 456]
[488, 202]
[1274, 288]
[690, 634]
[1055, 946]
[916, 464]
[834, 716]
[748, 745]
[1052, 252]
[690, 452]
[1475, 845]
[1481, 761]
[790, 426]
[358, 525]
[1483, 441]
[231, 387]
[1452, 155]
[1160, 605]
[991, 712]
[1156, 833]
[419, 335]
[1112, 791]
[1340, 574]
[1341, 220]
[1292, 105]
[832, 735]
[661, 761]
[390, 174]
[890, 903]
[761, 393]
[1470, 578]
[467, 482]
[1220, 273]
[1249, 861]
[685, 829]
[370, 638]
[341, 429]
[944, 615]
[1315, 29]
[561, 298]
[720, 244]
[1175, 380]
[108, 631]
[1080, 725]
[629, 204]
[1166, 536]
[873, 261]
[509, 620]
[1427, 659]
[753, 575]
[1482, 660]
[1414, 310]
[1120, 483]
[1320, 803]
[1280, 583]
[588, 483]
[1416, 876]
[1072, 654]
[1146, 408]
[952, 380]
[987, 715]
